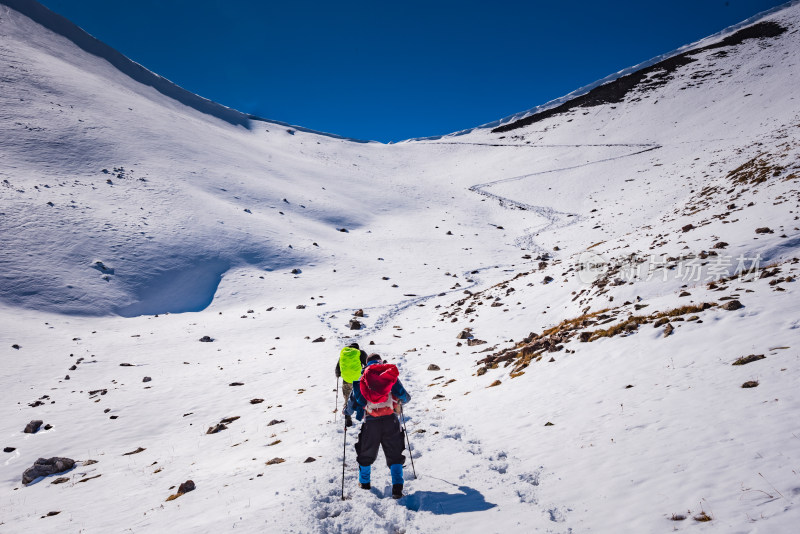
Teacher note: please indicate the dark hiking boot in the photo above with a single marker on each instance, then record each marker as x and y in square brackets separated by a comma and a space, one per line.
[365, 485]
[348, 421]
[397, 491]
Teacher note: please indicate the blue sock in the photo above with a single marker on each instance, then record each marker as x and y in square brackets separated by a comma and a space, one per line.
[364, 473]
[397, 473]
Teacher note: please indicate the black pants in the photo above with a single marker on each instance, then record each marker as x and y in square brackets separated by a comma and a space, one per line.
[385, 432]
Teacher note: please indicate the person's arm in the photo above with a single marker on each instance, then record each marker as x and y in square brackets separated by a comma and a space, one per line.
[400, 393]
[355, 403]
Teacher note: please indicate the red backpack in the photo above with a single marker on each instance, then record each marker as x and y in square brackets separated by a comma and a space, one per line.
[376, 386]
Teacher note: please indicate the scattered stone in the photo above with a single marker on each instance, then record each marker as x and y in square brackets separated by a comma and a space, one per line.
[219, 427]
[51, 514]
[73, 368]
[764, 230]
[747, 359]
[495, 383]
[46, 467]
[126, 365]
[354, 324]
[549, 424]
[584, 337]
[434, 367]
[229, 420]
[547, 279]
[688, 227]
[720, 244]
[685, 294]
[481, 371]
[309, 460]
[60, 480]
[668, 330]
[186, 487]
[15, 346]
[48, 426]
[206, 339]
[320, 339]
[275, 422]
[90, 462]
[439, 396]
[473, 342]
[296, 271]
[236, 384]
[300, 307]
[551, 360]
[464, 334]
[732, 305]
[275, 461]
[359, 313]
[629, 386]
[256, 401]
[750, 384]
[146, 379]
[33, 426]
[660, 322]
[9, 449]
[137, 451]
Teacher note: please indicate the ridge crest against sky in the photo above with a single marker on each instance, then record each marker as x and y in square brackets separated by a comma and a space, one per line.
[390, 72]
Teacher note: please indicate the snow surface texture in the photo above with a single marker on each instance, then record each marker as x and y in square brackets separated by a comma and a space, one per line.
[121, 207]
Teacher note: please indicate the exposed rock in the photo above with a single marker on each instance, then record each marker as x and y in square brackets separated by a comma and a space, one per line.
[60, 480]
[309, 460]
[732, 305]
[750, 384]
[90, 462]
[256, 401]
[584, 336]
[720, 244]
[146, 379]
[549, 424]
[137, 451]
[296, 271]
[473, 342]
[236, 384]
[275, 422]
[186, 487]
[15, 346]
[275, 461]
[33, 426]
[464, 334]
[9, 449]
[495, 383]
[359, 313]
[481, 371]
[300, 307]
[46, 467]
[320, 339]
[688, 227]
[668, 330]
[354, 324]
[433, 367]
[219, 427]
[764, 230]
[660, 322]
[206, 339]
[744, 360]
[229, 420]
[130, 364]
[547, 279]
[685, 294]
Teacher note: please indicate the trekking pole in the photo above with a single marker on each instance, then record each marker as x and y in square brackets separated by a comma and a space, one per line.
[408, 441]
[344, 452]
[337, 400]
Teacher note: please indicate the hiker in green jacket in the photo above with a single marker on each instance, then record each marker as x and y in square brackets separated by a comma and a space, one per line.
[352, 361]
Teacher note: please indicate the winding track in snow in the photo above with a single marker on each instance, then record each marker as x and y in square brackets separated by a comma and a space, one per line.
[331, 512]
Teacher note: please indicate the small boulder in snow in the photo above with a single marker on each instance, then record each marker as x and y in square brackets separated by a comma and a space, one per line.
[33, 426]
[45, 467]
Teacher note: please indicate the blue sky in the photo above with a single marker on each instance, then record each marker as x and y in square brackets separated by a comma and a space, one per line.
[386, 70]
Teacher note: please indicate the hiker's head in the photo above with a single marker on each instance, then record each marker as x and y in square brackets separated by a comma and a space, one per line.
[354, 346]
[374, 358]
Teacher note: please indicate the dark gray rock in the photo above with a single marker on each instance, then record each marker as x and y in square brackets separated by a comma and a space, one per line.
[186, 487]
[206, 339]
[33, 426]
[732, 305]
[433, 367]
[46, 467]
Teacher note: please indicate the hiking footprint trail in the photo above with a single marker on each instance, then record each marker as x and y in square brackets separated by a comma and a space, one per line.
[458, 477]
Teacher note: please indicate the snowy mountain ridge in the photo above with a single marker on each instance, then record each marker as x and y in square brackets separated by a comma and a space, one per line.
[595, 312]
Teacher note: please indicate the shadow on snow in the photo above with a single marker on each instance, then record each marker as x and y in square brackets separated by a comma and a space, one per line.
[441, 503]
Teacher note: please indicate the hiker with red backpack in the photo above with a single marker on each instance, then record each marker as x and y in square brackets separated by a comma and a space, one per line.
[349, 366]
[375, 399]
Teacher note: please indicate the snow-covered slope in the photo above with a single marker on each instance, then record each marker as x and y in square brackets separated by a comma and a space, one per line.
[569, 273]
